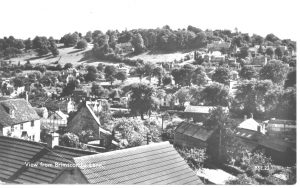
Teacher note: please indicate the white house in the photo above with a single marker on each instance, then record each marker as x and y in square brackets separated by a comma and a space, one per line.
[18, 119]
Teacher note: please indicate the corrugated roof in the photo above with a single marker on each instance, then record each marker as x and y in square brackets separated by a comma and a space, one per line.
[157, 163]
[281, 121]
[23, 112]
[194, 130]
[15, 152]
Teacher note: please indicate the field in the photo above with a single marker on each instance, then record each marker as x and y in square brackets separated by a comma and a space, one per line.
[66, 55]
[76, 57]
[167, 57]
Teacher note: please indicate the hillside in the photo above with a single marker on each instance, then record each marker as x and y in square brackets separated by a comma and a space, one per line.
[66, 55]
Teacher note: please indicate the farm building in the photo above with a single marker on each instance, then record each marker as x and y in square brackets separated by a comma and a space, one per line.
[199, 113]
[192, 135]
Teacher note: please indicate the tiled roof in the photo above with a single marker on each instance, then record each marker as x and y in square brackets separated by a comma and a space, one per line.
[194, 130]
[157, 163]
[15, 152]
[23, 112]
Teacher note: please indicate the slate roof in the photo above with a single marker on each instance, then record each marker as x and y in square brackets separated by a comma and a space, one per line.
[157, 163]
[23, 112]
[194, 130]
[15, 152]
[249, 124]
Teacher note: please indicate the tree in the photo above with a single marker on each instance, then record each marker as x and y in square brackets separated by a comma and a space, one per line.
[248, 73]
[158, 72]
[88, 36]
[183, 95]
[41, 45]
[199, 76]
[53, 47]
[215, 94]
[186, 74]
[176, 75]
[281, 103]
[82, 44]
[194, 157]
[110, 72]
[250, 97]
[141, 99]
[121, 76]
[166, 80]
[18, 81]
[92, 74]
[68, 66]
[69, 88]
[269, 51]
[275, 71]
[28, 44]
[132, 132]
[97, 89]
[221, 75]
[138, 43]
[100, 67]
[271, 37]
[278, 52]
[149, 69]
[224, 146]
[291, 79]
[70, 40]
[243, 52]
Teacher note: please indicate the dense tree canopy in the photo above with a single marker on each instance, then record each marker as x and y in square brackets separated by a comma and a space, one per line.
[142, 99]
[221, 75]
[275, 71]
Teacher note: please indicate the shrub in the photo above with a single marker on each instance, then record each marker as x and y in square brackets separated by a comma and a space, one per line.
[82, 44]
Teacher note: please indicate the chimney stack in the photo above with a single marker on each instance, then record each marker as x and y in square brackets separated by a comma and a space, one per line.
[245, 117]
[26, 96]
[251, 115]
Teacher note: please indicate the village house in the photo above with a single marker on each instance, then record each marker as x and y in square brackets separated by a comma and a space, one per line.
[28, 162]
[284, 129]
[189, 134]
[199, 113]
[66, 105]
[85, 119]
[157, 163]
[18, 119]
[42, 112]
[218, 45]
[255, 137]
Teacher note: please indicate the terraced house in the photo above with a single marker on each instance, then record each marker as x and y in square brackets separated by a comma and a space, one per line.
[19, 119]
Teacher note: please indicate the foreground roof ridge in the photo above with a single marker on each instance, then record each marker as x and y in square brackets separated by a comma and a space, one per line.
[166, 143]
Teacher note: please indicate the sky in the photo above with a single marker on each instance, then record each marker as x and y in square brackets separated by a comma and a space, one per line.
[29, 18]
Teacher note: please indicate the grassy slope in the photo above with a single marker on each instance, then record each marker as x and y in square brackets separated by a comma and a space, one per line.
[75, 56]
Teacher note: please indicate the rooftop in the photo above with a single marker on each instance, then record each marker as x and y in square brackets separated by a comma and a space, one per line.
[157, 163]
[15, 111]
[194, 130]
[15, 152]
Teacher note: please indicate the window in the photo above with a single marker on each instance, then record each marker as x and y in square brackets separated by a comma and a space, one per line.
[21, 126]
[32, 123]
[12, 128]
[32, 137]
